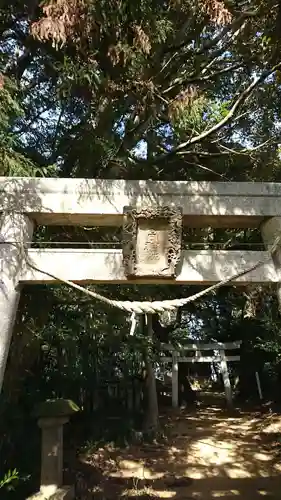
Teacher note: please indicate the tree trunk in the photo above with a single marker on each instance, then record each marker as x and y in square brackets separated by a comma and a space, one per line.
[151, 414]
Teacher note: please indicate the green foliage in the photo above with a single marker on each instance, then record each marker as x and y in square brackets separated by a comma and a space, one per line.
[191, 117]
[9, 480]
[13, 161]
[218, 110]
[80, 100]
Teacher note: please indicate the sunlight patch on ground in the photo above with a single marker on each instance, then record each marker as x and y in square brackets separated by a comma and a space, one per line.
[149, 492]
[219, 494]
[237, 473]
[206, 453]
[209, 455]
[194, 473]
[262, 457]
[129, 464]
[273, 427]
[277, 467]
[138, 472]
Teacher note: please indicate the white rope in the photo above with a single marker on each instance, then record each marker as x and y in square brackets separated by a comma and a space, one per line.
[146, 307]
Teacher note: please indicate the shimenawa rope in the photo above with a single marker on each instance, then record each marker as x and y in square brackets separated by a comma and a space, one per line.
[146, 307]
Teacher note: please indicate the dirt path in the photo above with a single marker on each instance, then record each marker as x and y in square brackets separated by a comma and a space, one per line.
[209, 454]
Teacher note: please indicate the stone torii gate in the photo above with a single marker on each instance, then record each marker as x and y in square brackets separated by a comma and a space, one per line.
[152, 215]
[218, 356]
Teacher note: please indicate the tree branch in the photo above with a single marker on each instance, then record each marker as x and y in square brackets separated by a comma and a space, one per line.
[238, 103]
[198, 78]
[214, 57]
[203, 167]
[211, 43]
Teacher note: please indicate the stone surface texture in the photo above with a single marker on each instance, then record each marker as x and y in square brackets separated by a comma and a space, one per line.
[55, 408]
[152, 242]
[270, 230]
[54, 414]
[15, 230]
[101, 201]
[51, 454]
[106, 266]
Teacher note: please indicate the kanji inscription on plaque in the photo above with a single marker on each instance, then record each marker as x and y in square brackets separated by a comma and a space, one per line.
[152, 241]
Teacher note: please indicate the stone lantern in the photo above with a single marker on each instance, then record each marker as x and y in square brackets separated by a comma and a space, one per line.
[52, 415]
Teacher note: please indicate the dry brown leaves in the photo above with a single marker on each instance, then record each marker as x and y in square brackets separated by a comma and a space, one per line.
[214, 9]
[2, 81]
[183, 101]
[141, 39]
[63, 19]
[217, 12]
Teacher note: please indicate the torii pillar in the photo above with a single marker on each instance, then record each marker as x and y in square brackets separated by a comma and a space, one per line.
[270, 230]
[15, 230]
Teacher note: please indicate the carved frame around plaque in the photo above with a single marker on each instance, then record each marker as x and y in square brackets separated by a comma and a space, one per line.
[152, 242]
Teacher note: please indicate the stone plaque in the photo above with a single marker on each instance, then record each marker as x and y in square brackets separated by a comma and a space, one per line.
[152, 241]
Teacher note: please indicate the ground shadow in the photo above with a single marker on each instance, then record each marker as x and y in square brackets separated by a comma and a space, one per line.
[209, 453]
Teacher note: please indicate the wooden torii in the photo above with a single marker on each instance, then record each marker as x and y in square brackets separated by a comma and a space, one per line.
[146, 256]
